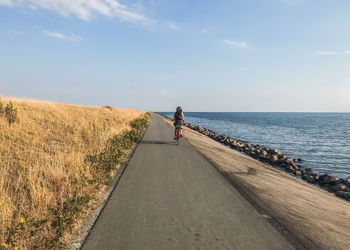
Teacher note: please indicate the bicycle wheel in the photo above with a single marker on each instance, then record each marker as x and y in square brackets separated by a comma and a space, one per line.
[178, 136]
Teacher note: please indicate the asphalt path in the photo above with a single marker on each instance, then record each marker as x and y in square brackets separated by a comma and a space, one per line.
[171, 197]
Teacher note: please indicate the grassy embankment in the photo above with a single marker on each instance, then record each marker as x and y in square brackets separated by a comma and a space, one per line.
[55, 161]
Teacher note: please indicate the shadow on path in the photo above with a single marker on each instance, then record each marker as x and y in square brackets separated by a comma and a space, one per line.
[159, 142]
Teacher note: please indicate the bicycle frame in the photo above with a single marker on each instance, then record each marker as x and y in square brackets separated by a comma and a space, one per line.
[178, 134]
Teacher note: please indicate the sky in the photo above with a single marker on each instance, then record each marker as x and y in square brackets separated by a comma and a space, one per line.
[224, 55]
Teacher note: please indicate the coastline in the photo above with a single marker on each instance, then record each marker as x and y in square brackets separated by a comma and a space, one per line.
[313, 137]
[315, 217]
[339, 186]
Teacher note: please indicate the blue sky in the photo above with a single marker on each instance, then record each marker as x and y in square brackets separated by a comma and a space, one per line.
[243, 55]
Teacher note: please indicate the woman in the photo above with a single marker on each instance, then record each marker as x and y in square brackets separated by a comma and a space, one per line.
[179, 119]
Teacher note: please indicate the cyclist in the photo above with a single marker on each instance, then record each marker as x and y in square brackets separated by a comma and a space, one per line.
[179, 120]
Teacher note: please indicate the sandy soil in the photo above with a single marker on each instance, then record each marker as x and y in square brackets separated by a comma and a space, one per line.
[313, 216]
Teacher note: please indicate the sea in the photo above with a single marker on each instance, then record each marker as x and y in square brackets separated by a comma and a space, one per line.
[322, 140]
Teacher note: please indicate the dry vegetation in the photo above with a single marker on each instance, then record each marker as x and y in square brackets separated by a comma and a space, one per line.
[49, 159]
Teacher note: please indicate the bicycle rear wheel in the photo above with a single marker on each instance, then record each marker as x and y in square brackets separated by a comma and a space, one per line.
[178, 132]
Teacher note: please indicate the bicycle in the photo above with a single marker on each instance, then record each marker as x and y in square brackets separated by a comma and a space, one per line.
[178, 133]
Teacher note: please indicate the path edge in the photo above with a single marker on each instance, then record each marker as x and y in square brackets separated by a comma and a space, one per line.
[85, 230]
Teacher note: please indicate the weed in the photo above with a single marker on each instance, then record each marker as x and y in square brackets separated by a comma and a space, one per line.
[108, 107]
[19, 227]
[2, 110]
[9, 137]
[11, 113]
[65, 216]
[115, 152]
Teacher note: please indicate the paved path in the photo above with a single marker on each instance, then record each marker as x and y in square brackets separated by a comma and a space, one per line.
[170, 197]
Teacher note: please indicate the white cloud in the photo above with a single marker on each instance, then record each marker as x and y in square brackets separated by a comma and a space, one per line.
[83, 9]
[347, 52]
[236, 44]
[325, 53]
[204, 30]
[58, 35]
[6, 2]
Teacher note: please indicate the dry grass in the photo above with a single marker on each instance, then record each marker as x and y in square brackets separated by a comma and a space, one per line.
[42, 165]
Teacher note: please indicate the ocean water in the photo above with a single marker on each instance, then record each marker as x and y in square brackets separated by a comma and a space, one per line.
[322, 140]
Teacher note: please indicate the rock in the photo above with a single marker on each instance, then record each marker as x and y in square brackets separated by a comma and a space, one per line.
[255, 154]
[324, 180]
[272, 151]
[310, 179]
[336, 181]
[340, 187]
[273, 158]
[297, 172]
[263, 154]
[288, 160]
[283, 165]
[343, 194]
[290, 168]
[308, 171]
[296, 167]
[283, 159]
[266, 149]
[347, 182]
[247, 150]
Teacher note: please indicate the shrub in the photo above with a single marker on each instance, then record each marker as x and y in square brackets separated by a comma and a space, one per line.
[2, 110]
[115, 152]
[11, 113]
[108, 107]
